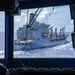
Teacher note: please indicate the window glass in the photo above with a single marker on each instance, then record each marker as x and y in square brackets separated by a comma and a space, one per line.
[2, 34]
[43, 33]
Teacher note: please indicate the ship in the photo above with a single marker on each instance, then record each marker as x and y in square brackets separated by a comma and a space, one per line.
[38, 35]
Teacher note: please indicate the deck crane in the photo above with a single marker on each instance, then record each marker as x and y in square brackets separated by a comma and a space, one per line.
[36, 14]
[33, 19]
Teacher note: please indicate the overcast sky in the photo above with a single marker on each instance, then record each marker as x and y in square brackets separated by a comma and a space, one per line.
[59, 18]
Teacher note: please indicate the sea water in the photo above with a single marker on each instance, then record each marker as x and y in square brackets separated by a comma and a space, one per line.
[60, 51]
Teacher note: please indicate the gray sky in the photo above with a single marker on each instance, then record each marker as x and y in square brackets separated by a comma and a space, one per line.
[59, 18]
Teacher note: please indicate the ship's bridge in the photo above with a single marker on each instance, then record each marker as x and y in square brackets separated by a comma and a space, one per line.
[13, 8]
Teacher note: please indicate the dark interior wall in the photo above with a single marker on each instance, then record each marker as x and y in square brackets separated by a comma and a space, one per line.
[24, 4]
[8, 4]
[41, 3]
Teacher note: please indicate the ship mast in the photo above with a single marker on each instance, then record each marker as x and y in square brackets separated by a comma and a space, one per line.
[27, 23]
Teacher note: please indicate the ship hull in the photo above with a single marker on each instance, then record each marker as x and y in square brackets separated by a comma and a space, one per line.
[43, 43]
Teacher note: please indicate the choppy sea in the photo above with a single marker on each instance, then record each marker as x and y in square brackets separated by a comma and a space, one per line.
[60, 51]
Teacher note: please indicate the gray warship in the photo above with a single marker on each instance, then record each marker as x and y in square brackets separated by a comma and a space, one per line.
[38, 35]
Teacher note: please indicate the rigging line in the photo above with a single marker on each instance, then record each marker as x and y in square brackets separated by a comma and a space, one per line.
[52, 11]
[37, 16]
[16, 53]
[27, 24]
[33, 16]
[20, 60]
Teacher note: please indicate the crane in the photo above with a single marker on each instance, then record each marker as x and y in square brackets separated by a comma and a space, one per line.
[36, 14]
